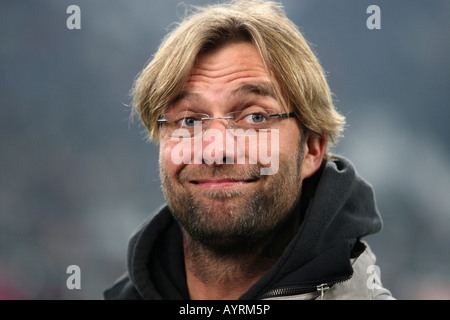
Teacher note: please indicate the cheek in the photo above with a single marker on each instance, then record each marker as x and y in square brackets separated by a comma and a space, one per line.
[165, 149]
[169, 162]
[289, 142]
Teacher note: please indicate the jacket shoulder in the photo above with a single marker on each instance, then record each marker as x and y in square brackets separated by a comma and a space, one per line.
[122, 289]
[365, 284]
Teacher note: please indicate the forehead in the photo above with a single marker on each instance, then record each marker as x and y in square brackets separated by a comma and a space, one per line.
[229, 66]
[235, 69]
[240, 52]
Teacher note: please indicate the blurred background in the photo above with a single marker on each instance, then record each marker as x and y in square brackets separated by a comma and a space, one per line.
[77, 177]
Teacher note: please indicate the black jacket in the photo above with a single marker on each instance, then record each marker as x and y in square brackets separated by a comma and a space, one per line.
[338, 208]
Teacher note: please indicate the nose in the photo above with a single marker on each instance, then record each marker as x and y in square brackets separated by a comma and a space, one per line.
[220, 123]
[218, 146]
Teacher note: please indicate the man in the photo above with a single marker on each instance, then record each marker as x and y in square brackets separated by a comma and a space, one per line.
[257, 207]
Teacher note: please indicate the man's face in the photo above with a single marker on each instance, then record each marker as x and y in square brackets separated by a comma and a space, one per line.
[230, 206]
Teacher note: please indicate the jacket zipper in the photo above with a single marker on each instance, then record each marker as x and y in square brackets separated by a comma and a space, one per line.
[290, 291]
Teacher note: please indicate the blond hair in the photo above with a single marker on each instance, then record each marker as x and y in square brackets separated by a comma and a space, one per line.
[288, 59]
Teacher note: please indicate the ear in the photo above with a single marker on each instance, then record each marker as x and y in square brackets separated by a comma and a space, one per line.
[314, 149]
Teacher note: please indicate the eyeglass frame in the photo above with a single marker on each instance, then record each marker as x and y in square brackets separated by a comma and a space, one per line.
[279, 115]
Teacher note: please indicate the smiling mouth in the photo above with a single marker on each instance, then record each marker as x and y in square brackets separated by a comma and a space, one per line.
[221, 183]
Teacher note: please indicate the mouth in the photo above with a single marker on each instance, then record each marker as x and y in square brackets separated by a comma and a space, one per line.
[222, 183]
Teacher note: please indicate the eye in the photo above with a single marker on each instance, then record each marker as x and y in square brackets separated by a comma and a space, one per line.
[188, 121]
[255, 118]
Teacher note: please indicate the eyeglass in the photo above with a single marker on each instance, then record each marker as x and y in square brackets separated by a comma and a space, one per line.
[190, 122]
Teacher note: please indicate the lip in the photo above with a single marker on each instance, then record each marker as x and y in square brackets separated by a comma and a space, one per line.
[221, 183]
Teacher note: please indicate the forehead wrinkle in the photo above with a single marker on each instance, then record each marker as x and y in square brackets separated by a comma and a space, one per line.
[257, 89]
[260, 88]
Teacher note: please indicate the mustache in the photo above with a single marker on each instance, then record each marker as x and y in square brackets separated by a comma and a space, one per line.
[227, 171]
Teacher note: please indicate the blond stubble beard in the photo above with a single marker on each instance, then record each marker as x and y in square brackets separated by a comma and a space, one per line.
[233, 221]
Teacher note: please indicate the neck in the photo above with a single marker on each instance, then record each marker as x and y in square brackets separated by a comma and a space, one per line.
[214, 276]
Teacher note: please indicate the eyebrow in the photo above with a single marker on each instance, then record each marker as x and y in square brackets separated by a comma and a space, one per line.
[261, 89]
[184, 94]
